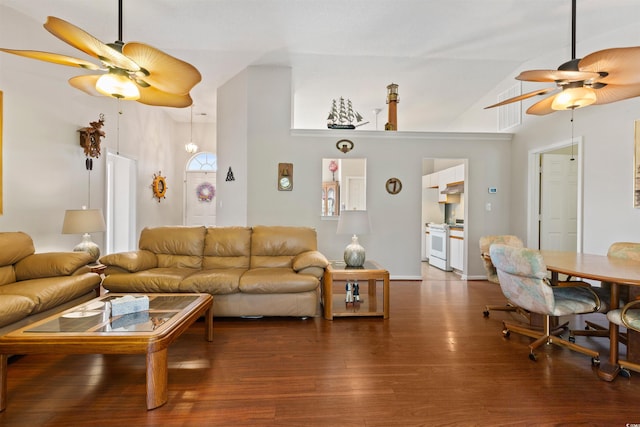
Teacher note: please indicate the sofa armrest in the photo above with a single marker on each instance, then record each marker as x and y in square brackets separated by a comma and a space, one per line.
[308, 259]
[50, 264]
[131, 261]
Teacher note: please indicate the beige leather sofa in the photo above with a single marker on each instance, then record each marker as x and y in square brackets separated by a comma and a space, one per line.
[250, 271]
[33, 286]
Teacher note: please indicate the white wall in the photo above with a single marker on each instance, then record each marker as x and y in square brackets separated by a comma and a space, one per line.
[395, 240]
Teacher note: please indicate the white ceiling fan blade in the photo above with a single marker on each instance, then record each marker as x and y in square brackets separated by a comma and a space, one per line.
[522, 97]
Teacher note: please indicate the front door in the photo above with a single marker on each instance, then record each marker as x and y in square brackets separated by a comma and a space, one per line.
[558, 202]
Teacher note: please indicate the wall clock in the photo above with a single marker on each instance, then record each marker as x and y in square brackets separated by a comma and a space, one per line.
[159, 186]
[285, 176]
[393, 186]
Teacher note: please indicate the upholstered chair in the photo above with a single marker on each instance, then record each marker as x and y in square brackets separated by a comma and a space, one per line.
[523, 274]
[629, 317]
[492, 274]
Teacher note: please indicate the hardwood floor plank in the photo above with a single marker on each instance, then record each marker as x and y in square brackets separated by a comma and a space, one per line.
[435, 361]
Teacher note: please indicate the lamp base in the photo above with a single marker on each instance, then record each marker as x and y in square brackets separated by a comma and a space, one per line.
[87, 245]
[354, 255]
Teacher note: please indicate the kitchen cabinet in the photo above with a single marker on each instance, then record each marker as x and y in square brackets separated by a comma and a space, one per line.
[430, 181]
[456, 249]
[449, 176]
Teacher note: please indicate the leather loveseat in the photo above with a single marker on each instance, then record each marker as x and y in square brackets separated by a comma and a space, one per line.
[249, 271]
[36, 285]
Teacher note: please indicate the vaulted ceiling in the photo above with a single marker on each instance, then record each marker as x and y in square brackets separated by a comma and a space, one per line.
[445, 55]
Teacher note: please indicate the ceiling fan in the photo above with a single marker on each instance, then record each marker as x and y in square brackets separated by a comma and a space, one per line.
[131, 71]
[601, 77]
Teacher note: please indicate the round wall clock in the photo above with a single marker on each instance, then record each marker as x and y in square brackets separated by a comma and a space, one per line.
[159, 186]
[393, 185]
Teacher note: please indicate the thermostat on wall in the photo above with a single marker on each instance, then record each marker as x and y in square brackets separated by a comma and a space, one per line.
[493, 190]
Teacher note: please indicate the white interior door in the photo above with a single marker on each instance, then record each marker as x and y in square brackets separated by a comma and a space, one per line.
[200, 200]
[120, 214]
[355, 193]
[558, 203]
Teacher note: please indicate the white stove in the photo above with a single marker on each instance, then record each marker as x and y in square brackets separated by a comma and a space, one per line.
[439, 250]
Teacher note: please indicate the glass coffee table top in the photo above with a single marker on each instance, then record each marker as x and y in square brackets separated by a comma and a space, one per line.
[95, 316]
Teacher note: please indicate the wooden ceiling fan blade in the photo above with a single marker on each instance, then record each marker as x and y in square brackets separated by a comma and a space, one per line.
[613, 93]
[621, 65]
[54, 58]
[557, 76]
[167, 73]
[156, 97]
[542, 108]
[522, 97]
[90, 45]
[87, 84]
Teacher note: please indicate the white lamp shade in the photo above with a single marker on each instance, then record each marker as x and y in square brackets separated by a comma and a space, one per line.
[353, 222]
[117, 85]
[574, 97]
[80, 221]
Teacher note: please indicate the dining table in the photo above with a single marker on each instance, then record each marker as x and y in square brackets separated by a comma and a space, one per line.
[617, 271]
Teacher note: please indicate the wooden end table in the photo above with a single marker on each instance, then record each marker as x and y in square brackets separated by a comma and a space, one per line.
[335, 305]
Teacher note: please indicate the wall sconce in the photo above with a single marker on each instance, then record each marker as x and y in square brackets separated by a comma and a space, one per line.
[344, 145]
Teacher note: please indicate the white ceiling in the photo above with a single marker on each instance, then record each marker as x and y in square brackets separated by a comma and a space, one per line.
[445, 55]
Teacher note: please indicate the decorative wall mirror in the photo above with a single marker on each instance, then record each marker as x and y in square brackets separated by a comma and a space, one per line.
[344, 185]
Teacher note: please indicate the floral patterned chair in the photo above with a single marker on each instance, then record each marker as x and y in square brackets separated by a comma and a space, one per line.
[523, 280]
[629, 317]
[492, 274]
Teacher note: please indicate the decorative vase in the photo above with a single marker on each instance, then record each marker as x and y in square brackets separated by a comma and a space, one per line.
[354, 253]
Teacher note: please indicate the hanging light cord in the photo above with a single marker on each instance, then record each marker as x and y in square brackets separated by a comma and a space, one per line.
[191, 135]
[572, 158]
[118, 128]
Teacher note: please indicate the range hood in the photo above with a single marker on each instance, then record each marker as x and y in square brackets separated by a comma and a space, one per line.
[454, 188]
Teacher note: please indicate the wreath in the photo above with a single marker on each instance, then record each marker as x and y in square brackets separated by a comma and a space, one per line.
[205, 192]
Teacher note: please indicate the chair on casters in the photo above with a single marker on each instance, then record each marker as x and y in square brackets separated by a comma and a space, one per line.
[629, 317]
[523, 280]
[623, 250]
[492, 275]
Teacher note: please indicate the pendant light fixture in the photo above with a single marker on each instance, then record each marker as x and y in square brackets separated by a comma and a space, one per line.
[191, 147]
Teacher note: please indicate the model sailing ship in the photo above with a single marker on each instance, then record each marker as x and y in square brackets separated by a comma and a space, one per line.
[343, 116]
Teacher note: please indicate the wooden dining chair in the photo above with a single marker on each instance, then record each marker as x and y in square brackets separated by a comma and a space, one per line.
[523, 274]
[492, 275]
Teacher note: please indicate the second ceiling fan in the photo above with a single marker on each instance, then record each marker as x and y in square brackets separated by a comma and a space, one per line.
[601, 77]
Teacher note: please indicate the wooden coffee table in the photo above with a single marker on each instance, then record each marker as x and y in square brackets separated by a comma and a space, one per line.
[89, 329]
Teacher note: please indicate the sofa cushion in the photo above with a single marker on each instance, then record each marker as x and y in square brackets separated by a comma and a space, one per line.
[276, 280]
[7, 274]
[161, 279]
[50, 264]
[215, 282]
[276, 246]
[15, 246]
[175, 246]
[227, 247]
[131, 261]
[50, 292]
[14, 308]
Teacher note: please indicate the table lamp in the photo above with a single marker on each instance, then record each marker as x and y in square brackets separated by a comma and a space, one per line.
[84, 221]
[354, 222]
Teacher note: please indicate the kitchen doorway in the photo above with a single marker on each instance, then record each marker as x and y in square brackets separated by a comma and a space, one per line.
[555, 204]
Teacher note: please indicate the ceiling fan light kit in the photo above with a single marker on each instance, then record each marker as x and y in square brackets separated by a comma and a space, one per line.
[573, 97]
[116, 84]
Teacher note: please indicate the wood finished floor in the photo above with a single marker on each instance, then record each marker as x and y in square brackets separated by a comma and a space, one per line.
[435, 362]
